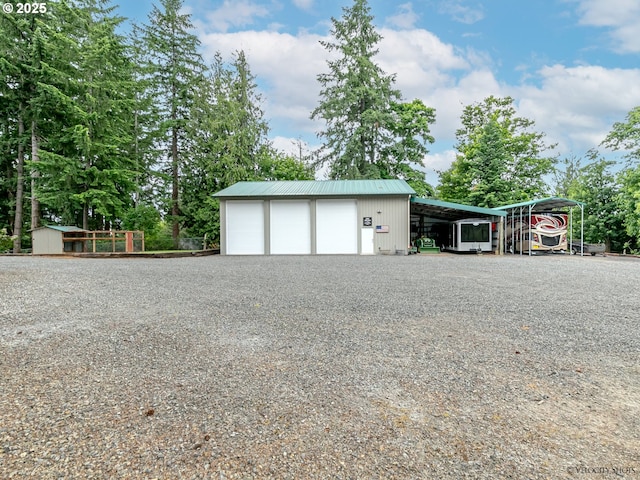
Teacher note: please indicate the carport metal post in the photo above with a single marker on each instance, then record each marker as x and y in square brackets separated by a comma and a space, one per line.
[530, 208]
[521, 233]
[571, 230]
[513, 232]
[582, 230]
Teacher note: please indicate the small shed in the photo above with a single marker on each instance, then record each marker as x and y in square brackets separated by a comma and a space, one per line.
[57, 240]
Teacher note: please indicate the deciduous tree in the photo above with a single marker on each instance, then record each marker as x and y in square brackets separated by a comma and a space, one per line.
[500, 159]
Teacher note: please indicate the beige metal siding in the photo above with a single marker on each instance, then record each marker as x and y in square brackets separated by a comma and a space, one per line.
[385, 211]
[223, 227]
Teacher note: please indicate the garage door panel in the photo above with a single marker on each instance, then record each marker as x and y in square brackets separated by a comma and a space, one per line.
[336, 227]
[290, 227]
[245, 227]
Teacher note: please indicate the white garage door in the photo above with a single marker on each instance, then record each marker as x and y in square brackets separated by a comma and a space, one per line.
[245, 227]
[336, 226]
[290, 227]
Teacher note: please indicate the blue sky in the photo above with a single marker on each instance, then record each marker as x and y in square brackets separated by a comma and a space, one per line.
[572, 66]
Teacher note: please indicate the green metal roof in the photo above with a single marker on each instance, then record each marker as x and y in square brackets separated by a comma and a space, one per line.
[64, 228]
[544, 204]
[302, 188]
[453, 211]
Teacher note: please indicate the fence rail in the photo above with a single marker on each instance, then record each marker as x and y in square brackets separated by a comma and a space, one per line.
[104, 241]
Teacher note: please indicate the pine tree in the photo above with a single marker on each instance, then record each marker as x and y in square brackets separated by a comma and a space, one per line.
[175, 73]
[367, 132]
[31, 63]
[87, 174]
[11, 132]
[230, 141]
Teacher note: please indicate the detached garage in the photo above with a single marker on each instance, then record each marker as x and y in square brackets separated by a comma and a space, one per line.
[315, 217]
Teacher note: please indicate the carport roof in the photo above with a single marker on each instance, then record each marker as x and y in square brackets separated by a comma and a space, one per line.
[544, 204]
[452, 211]
[302, 188]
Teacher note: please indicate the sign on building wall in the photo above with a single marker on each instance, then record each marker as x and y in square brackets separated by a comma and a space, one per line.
[367, 221]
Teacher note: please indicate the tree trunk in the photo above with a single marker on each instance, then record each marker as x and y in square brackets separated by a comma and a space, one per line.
[174, 192]
[85, 216]
[136, 194]
[18, 218]
[35, 157]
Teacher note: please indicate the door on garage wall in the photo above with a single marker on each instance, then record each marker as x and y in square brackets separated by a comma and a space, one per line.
[366, 241]
[290, 227]
[245, 227]
[336, 226]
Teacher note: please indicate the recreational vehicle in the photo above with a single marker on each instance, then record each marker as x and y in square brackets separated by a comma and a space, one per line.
[547, 232]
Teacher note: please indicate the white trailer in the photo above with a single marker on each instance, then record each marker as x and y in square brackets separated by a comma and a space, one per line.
[470, 235]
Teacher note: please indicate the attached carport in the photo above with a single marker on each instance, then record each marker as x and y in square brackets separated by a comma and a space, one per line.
[525, 210]
[430, 214]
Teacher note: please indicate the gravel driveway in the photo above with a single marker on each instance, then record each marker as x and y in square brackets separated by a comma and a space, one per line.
[419, 367]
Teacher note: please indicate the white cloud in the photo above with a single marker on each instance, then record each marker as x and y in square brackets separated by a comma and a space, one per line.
[234, 14]
[439, 162]
[287, 66]
[460, 12]
[576, 106]
[622, 17]
[303, 4]
[406, 18]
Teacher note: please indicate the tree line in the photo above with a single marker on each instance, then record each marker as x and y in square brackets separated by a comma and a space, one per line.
[106, 130]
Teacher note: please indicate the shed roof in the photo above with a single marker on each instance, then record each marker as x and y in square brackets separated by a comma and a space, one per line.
[544, 204]
[62, 228]
[451, 211]
[301, 188]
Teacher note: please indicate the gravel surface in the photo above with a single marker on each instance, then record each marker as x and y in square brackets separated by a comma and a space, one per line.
[420, 367]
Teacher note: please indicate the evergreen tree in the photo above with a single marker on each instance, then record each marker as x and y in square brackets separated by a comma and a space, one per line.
[11, 139]
[369, 132]
[32, 63]
[230, 142]
[175, 74]
[88, 176]
[144, 149]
